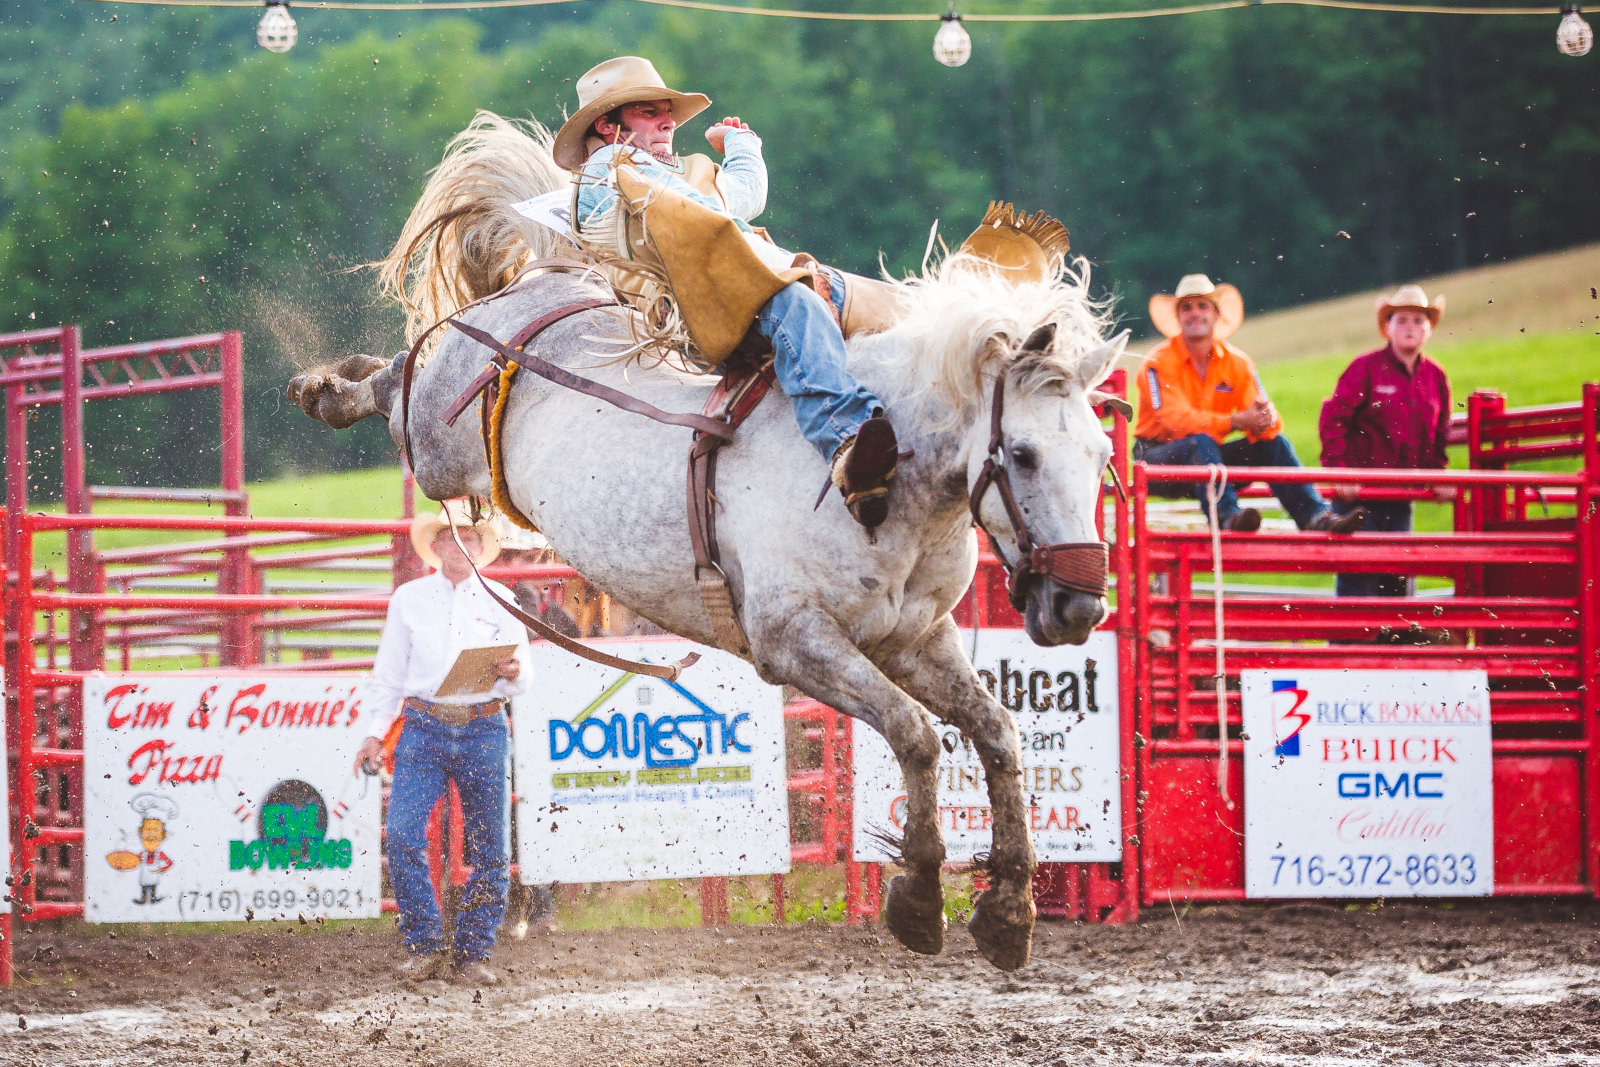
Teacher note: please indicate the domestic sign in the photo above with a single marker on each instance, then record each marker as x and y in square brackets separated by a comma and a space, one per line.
[621, 776]
[1064, 702]
[1367, 784]
[214, 797]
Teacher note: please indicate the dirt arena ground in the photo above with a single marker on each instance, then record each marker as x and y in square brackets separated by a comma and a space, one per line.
[1289, 984]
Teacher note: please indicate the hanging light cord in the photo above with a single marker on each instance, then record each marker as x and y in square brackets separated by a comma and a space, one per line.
[847, 16]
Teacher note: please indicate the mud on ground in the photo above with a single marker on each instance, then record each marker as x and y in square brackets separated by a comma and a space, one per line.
[1287, 984]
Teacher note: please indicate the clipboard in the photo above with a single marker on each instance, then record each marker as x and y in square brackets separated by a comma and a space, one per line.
[473, 671]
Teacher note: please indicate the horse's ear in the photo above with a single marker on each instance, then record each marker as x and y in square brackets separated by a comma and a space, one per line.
[1040, 339]
[1094, 368]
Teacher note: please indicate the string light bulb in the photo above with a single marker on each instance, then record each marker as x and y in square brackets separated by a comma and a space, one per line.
[276, 32]
[951, 45]
[1573, 36]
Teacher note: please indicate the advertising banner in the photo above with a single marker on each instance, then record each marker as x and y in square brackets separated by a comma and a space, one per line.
[1064, 701]
[1367, 784]
[212, 797]
[622, 777]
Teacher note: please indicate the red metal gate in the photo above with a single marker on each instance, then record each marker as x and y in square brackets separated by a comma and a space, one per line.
[1524, 610]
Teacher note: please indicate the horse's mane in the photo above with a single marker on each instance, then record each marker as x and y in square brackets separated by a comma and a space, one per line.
[963, 321]
[463, 240]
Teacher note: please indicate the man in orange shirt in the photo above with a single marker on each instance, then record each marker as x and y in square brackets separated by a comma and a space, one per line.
[1194, 391]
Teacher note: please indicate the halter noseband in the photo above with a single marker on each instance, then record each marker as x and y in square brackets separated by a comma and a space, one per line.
[1079, 566]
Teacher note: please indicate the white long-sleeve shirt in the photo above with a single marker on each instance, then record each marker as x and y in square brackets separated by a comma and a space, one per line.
[743, 179]
[743, 182]
[430, 623]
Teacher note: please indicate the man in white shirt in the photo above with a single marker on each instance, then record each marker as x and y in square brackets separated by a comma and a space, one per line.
[465, 739]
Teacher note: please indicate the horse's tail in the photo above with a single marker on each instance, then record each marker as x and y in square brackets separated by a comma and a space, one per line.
[463, 240]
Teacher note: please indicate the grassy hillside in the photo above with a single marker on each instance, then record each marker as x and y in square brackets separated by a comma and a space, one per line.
[1557, 293]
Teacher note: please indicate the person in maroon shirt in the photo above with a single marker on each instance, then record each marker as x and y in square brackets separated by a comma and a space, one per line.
[1391, 409]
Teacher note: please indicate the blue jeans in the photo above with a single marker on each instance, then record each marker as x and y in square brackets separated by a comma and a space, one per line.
[1300, 500]
[1383, 516]
[477, 757]
[809, 360]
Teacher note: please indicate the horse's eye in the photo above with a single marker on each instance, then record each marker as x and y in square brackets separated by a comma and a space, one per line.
[1025, 457]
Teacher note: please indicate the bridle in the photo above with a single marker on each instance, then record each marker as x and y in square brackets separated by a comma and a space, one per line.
[1080, 566]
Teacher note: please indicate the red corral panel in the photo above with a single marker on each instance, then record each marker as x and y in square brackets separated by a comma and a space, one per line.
[1538, 823]
[1522, 610]
[1192, 842]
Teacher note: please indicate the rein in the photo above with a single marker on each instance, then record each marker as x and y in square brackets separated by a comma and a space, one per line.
[1077, 565]
[669, 671]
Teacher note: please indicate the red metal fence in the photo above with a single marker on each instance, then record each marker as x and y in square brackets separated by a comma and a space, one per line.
[1520, 558]
[122, 622]
[1535, 640]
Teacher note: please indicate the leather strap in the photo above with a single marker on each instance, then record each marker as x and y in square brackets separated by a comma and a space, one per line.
[669, 671]
[735, 396]
[561, 376]
[491, 371]
[1076, 565]
[1080, 566]
[409, 368]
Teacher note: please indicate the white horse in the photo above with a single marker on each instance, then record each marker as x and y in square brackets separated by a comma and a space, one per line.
[862, 625]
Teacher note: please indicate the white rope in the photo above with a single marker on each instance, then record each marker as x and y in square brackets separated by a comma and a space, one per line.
[1216, 485]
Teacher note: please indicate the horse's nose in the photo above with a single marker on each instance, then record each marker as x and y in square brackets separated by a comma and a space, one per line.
[1077, 614]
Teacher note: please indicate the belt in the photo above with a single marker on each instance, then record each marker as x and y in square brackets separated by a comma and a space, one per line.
[455, 714]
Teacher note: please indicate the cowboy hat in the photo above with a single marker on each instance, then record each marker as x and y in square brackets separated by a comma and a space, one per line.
[425, 527]
[1409, 298]
[624, 80]
[1025, 247]
[1226, 298]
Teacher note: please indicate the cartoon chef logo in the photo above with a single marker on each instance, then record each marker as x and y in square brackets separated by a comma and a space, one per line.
[154, 812]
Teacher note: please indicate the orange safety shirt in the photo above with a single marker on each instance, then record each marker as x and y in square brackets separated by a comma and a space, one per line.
[1175, 402]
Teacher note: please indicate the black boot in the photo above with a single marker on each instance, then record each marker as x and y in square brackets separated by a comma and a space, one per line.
[862, 469]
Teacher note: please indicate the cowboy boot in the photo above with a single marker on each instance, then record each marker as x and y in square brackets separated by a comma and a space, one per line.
[862, 468]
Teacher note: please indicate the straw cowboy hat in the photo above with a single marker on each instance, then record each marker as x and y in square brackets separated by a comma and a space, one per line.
[1409, 298]
[425, 527]
[624, 80]
[1229, 304]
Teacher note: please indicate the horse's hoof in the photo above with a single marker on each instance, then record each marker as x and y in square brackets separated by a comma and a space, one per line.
[913, 910]
[1002, 927]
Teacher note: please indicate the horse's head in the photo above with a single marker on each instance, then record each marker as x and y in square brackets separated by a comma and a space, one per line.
[1034, 473]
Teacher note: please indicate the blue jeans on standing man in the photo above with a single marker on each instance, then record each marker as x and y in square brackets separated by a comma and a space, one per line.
[1300, 500]
[808, 358]
[1383, 516]
[477, 757]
